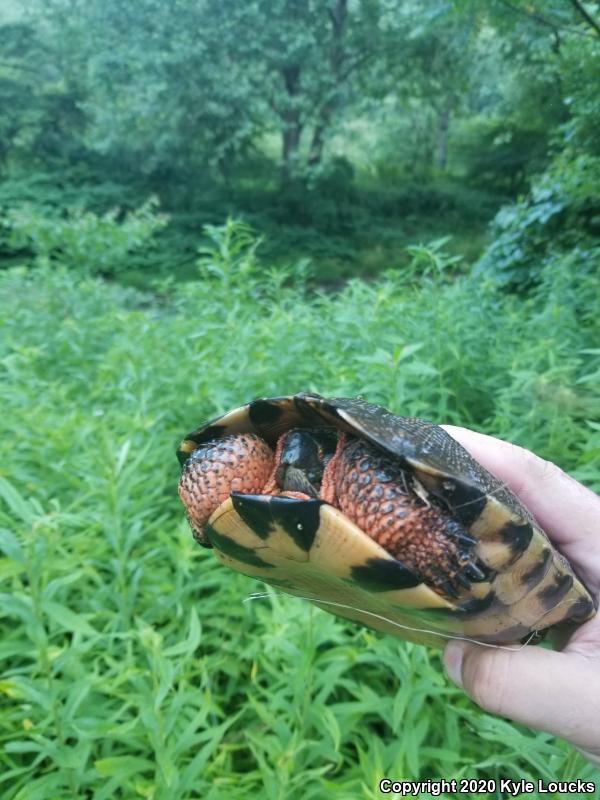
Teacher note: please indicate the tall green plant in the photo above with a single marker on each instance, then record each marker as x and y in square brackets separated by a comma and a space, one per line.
[83, 240]
[130, 664]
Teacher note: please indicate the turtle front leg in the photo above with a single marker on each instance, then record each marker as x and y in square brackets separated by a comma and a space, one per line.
[379, 497]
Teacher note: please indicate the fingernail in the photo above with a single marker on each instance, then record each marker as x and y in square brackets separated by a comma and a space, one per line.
[453, 658]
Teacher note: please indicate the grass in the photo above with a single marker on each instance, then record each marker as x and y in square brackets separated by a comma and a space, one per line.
[131, 665]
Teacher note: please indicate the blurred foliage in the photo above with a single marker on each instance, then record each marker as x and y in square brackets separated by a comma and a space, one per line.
[561, 213]
[352, 129]
[83, 240]
[499, 153]
[131, 665]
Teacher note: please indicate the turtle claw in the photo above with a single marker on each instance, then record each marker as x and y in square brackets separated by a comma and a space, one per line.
[463, 580]
[456, 584]
[468, 573]
[465, 540]
[475, 572]
[449, 589]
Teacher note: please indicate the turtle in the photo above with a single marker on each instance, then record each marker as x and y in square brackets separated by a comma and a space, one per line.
[378, 518]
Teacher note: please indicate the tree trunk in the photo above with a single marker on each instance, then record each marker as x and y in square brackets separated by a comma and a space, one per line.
[292, 131]
[338, 15]
[442, 137]
[292, 124]
[315, 154]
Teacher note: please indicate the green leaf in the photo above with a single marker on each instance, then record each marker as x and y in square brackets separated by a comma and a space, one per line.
[68, 619]
[10, 546]
[122, 767]
[16, 502]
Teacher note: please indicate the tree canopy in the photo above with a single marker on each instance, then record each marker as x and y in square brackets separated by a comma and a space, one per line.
[295, 111]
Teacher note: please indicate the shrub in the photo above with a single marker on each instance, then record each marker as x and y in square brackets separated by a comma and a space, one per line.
[83, 240]
[561, 212]
[500, 153]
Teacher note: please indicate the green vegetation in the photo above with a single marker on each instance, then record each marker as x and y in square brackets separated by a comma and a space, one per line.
[342, 132]
[191, 198]
[133, 666]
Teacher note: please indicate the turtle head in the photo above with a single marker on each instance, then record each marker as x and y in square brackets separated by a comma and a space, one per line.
[303, 456]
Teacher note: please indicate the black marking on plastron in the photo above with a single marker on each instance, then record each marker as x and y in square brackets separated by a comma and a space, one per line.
[538, 572]
[264, 412]
[255, 512]
[230, 548]
[384, 575]
[198, 438]
[262, 513]
[182, 456]
[554, 593]
[313, 405]
[211, 432]
[199, 535]
[477, 605]
[465, 502]
[319, 412]
[517, 537]
[299, 519]
[581, 609]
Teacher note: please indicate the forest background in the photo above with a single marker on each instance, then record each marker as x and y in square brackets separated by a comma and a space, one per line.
[205, 201]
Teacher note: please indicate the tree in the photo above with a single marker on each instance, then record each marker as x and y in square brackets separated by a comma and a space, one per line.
[304, 58]
[442, 67]
[196, 84]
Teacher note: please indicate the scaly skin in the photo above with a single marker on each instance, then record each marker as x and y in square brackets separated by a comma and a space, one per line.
[361, 481]
[375, 493]
[240, 463]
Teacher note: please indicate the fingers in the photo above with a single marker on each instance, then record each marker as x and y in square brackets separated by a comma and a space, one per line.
[566, 510]
[558, 692]
[551, 691]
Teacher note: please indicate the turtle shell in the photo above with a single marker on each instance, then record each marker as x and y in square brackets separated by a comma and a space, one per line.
[311, 549]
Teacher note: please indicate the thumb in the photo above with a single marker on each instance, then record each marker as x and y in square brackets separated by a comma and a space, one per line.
[554, 692]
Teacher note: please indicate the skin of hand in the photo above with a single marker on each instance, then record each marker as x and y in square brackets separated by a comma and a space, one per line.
[557, 691]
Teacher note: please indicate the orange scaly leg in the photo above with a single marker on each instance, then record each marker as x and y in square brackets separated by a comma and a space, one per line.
[271, 486]
[328, 491]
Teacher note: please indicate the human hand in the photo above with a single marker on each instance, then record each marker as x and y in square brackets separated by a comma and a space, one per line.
[554, 691]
